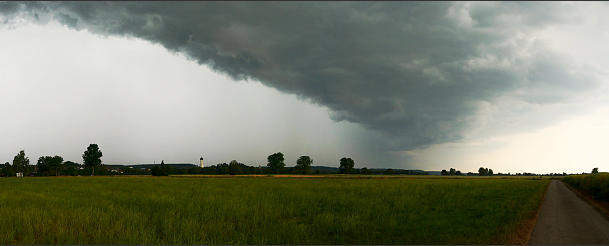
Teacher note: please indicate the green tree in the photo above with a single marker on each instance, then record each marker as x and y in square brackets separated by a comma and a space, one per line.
[366, 171]
[482, 171]
[56, 165]
[346, 165]
[595, 170]
[303, 164]
[452, 172]
[444, 172]
[166, 169]
[223, 168]
[275, 162]
[458, 173]
[21, 162]
[92, 157]
[7, 170]
[47, 165]
[234, 167]
[70, 168]
[43, 166]
[156, 171]
[490, 172]
[160, 170]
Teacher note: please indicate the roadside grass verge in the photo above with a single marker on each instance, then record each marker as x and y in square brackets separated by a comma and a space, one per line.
[593, 188]
[596, 185]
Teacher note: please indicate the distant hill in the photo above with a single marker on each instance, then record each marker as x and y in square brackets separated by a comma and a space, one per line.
[321, 169]
[400, 171]
[324, 169]
[328, 170]
[438, 173]
[148, 166]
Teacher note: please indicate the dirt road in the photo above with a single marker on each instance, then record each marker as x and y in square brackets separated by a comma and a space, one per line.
[566, 219]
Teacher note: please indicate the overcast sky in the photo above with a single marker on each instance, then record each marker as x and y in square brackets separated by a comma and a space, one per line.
[510, 86]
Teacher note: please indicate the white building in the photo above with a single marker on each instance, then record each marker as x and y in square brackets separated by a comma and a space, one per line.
[201, 162]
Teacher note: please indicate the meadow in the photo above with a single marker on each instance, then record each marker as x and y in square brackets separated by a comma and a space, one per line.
[264, 210]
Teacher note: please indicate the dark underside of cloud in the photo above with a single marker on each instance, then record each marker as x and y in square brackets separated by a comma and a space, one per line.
[414, 72]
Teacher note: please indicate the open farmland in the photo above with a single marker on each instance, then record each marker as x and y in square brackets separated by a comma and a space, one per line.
[262, 210]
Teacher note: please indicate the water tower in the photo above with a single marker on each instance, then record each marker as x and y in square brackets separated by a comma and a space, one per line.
[201, 162]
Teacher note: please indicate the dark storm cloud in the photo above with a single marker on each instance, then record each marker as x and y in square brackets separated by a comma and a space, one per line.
[413, 71]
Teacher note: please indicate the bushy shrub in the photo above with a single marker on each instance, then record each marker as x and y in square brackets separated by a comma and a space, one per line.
[596, 185]
[160, 170]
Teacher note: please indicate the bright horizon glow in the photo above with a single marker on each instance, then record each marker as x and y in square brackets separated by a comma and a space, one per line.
[574, 145]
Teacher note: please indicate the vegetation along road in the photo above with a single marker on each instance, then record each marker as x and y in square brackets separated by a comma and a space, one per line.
[564, 218]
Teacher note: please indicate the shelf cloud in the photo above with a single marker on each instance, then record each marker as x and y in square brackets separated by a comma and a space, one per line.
[415, 72]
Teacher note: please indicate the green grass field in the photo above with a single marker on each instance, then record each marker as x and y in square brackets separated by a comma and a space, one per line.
[263, 210]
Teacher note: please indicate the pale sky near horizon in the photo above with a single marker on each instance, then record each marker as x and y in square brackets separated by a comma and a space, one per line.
[515, 87]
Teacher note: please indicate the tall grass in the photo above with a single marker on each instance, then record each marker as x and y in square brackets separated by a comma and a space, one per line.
[169, 210]
[596, 185]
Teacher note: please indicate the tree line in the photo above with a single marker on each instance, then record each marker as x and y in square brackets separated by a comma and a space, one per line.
[482, 171]
[55, 165]
[92, 165]
[275, 165]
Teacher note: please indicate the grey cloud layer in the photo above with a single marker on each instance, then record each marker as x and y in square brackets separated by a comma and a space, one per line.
[413, 71]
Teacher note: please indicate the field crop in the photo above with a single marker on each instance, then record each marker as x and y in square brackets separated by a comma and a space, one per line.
[263, 210]
[596, 185]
